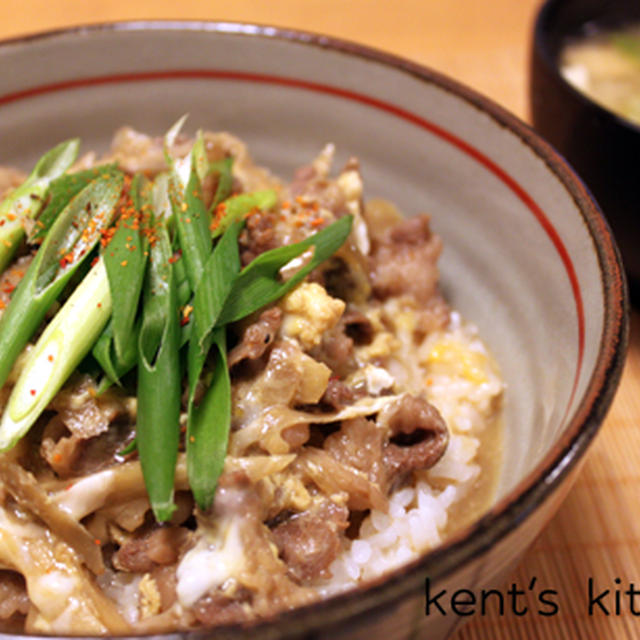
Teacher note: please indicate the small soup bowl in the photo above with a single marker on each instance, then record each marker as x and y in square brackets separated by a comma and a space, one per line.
[602, 146]
[528, 257]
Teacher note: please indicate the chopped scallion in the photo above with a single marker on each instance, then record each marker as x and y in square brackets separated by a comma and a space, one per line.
[63, 344]
[69, 242]
[159, 380]
[26, 201]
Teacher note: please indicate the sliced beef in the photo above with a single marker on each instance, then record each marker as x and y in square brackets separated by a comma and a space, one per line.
[310, 541]
[419, 437]
[337, 347]
[338, 395]
[357, 326]
[360, 444]
[336, 350]
[312, 185]
[159, 546]
[85, 413]
[13, 595]
[258, 236]
[100, 452]
[257, 337]
[410, 435]
[218, 609]
[403, 261]
[72, 455]
[87, 430]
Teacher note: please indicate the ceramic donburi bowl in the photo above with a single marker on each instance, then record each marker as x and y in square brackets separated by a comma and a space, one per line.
[528, 257]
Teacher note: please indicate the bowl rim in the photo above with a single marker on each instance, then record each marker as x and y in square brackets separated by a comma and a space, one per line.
[581, 426]
[542, 46]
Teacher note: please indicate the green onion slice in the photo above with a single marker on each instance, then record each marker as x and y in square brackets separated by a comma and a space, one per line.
[61, 347]
[61, 191]
[225, 180]
[236, 207]
[125, 260]
[26, 201]
[208, 430]
[259, 283]
[159, 380]
[205, 423]
[191, 216]
[67, 245]
[116, 350]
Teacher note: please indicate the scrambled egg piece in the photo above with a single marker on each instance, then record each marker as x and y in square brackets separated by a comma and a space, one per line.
[309, 311]
[458, 360]
[150, 600]
[287, 491]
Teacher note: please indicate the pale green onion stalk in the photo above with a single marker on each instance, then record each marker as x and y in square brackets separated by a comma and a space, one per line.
[27, 200]
[160, 197]
[181, 166]
[197, 157]
[61, 347]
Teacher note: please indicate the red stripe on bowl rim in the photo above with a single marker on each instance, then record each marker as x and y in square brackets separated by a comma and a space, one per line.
[381, 105]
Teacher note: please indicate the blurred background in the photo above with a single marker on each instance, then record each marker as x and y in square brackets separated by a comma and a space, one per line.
[484, 45]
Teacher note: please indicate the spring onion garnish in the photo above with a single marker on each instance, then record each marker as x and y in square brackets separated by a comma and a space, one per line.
[146, 197]
[159, 378]
[209, 425]
[162, 208]
[63, 344]
[191, 216]
[168, 276]
[236, 207]
[68, 243]
[259, 283]
[225, 180]
[125, 263]
[208, 422]
[218, 296]
[61, 191]
[27, 200]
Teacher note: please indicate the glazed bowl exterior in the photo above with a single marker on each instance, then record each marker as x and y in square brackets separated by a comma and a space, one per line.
[528, 256]
[603, 148]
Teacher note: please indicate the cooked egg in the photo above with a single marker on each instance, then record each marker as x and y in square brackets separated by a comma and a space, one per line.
[309, 311]
[458, 360]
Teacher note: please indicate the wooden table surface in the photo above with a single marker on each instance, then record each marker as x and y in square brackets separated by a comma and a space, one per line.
[485, 45]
